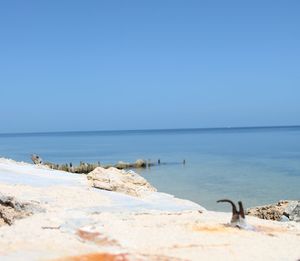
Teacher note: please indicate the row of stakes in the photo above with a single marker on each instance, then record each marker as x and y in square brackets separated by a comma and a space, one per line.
[88, 167]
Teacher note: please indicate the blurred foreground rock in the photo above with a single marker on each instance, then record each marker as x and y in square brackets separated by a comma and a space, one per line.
[113, 179]
[284, 210]
[12, 209]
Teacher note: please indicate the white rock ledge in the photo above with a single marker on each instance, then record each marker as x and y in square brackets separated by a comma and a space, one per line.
[79, 222]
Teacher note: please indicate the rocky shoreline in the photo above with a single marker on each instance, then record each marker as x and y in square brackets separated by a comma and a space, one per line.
[86, 168]
[113, 214]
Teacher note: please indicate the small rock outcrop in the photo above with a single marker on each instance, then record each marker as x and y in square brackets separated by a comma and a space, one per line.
[113, 179]
[284, 210]
[140, 163]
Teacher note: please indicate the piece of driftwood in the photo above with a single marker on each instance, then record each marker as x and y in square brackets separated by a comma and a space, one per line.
[238, 216]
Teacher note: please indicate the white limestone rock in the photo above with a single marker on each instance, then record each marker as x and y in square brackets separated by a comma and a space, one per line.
[127, 182]
[295, 213]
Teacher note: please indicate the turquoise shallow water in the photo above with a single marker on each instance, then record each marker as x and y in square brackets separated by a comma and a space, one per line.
[255, 165]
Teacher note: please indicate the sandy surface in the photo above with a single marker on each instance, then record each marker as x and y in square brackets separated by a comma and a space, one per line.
[78, 222]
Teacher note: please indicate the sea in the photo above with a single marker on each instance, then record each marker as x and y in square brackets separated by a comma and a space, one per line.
[257, 165]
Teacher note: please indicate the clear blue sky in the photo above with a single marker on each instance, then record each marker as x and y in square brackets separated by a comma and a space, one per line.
[95, 65]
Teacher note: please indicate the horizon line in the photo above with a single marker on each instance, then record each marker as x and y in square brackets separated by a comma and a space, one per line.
[152, 130]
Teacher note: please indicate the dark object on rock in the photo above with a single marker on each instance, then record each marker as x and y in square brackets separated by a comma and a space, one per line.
[284, 219]
[36, 159]
[238, 217]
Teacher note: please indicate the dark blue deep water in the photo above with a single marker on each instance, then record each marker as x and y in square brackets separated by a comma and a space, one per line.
[255, 165]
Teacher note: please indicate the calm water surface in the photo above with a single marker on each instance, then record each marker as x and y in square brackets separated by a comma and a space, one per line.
[255, 165]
